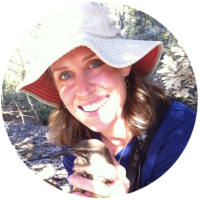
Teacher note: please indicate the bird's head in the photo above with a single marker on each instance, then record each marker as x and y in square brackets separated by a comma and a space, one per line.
[92, 150]
[88, 152]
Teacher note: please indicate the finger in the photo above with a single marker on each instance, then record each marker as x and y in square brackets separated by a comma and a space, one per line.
[87, 193]
[76, 160]
[119, 167]
[90, 185]
[105, 170]
[79, 194]
[115, 162]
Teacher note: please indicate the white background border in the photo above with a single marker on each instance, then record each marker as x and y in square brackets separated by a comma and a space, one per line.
[181, 17]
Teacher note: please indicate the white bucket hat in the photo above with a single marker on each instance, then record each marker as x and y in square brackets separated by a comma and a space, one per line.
[91, 25]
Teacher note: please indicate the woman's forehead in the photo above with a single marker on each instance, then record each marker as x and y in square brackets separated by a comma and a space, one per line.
[81, 53]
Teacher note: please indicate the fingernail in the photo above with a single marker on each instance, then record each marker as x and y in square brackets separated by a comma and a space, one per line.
[76, 160]
[76, 168]
[71, 178]
[88, 194]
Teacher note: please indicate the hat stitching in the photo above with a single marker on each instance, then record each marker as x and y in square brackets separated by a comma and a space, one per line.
[39, 98]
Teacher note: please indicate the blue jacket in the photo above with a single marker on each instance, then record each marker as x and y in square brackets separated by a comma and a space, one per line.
[167, 144]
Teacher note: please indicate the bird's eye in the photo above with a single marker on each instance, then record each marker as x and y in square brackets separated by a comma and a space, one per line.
[85, 152]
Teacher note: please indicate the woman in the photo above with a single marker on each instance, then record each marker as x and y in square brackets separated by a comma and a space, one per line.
[96, 80]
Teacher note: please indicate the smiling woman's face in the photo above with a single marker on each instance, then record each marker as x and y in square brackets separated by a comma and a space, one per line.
[92, 91]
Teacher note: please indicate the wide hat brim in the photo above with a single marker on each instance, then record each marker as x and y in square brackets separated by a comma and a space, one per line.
[144, 56]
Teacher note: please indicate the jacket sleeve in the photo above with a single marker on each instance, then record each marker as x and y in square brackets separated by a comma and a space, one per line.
[68, 162]
[169, 142]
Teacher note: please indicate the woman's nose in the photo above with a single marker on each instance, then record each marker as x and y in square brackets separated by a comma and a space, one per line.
[85, 86]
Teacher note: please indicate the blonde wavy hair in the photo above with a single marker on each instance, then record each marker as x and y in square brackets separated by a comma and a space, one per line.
[139, 112]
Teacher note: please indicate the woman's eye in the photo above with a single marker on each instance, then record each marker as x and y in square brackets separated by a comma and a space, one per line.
[66, 76]
[95, 64]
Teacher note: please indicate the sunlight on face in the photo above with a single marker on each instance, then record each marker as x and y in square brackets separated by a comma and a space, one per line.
[91, 90]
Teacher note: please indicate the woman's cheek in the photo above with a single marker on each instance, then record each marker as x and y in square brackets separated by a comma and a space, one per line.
[106, 78]
[66, 95]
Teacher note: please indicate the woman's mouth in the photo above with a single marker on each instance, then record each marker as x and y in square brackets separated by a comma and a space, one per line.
[95, 106]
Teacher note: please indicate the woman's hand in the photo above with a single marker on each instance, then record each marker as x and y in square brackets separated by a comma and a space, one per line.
[117, 174]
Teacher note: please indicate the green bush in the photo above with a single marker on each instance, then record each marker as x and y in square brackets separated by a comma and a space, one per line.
[23, 102]
[43, 111]
[178, 76]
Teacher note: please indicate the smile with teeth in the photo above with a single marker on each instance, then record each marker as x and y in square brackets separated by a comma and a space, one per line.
[95, 106]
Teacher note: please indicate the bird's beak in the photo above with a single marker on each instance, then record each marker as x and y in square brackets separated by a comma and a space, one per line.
[57, 154]
[63, 152]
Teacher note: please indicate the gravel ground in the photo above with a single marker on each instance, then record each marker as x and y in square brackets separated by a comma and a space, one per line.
[30, 142]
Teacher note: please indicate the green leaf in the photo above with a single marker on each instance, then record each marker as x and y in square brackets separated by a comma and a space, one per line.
[164, 70]
[169, 83]
[172, 75]
[180, 53]
[180, 59]
[191, 103]
[164, 78]
[175, 49]
[167, 50]
[191, 100]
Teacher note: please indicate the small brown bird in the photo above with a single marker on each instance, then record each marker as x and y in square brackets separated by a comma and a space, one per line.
[88, 152]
